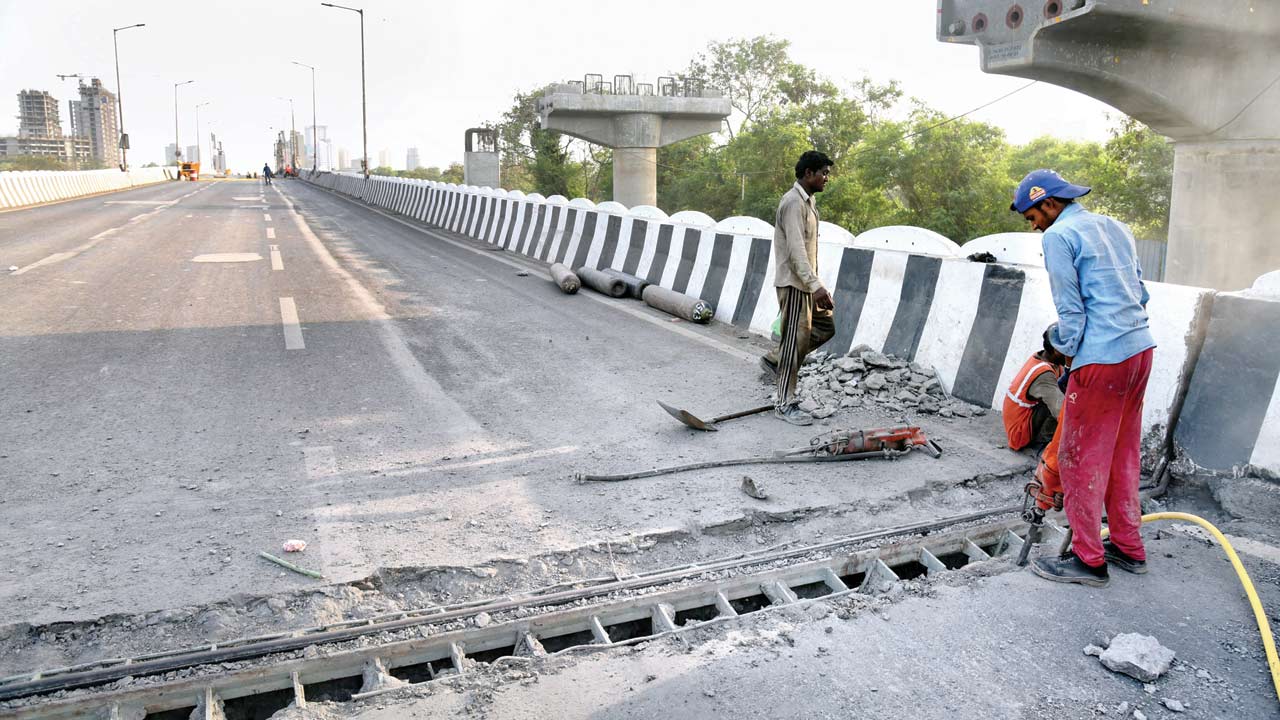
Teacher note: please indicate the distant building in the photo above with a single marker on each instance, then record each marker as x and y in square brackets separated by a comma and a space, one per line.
[97, 120]
[40, 132]
[344, 159]
[170, 154]
[312, 135]
[411, 161]
[192, 153]
[38, 115]
[384, 158]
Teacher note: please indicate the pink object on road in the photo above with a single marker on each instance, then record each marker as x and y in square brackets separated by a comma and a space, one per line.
[295, 545]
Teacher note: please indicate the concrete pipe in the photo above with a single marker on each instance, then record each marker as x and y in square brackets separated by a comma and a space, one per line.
[602, 283]
[635, 285]
[682, 306]
[564, 277]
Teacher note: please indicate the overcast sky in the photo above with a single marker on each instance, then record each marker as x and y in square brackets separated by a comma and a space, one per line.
[436, 68]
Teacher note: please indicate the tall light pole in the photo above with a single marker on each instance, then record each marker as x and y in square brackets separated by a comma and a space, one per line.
[293, 146]
[177, 148]
[364, 112]
[315, 143]
[124, 137]
[198, 143]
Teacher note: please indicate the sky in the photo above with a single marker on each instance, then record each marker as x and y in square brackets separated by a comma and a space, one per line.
[436, 68]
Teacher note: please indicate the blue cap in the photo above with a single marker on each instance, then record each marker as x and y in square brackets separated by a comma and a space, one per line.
[1041, 184]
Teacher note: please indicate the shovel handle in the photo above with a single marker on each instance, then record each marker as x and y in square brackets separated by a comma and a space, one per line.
[742, 413]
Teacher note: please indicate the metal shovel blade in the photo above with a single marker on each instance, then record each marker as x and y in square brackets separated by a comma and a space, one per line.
[688, 419]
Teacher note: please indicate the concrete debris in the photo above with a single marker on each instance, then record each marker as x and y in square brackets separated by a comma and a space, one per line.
[867, 378]
[1094, 650]
[1139, 715]
[753, 488]
[483, 619]
[1141, 657]
[1174, 705]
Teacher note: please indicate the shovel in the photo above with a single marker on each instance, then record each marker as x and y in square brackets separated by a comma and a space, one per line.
[697, 423]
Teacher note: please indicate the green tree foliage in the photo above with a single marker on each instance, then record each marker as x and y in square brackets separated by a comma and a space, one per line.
[33, 162]
[894, 164]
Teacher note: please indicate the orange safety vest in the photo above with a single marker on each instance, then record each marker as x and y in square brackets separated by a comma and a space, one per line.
[1018, 406]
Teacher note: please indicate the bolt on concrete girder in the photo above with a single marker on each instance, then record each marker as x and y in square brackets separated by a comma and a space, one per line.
[1202, 73]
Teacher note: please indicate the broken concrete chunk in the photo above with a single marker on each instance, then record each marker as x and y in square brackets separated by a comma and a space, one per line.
[1173, 705]
[875, 381]
[1094, 650]
[1141, 657]
[876, 359]
[848, 364]
[753, 489]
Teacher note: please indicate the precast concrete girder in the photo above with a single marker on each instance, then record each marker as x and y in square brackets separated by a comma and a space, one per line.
[1198, 72]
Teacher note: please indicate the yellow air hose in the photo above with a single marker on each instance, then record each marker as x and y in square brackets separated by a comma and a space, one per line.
[1264, 628]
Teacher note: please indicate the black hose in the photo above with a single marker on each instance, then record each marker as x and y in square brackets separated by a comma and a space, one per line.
[759, 460]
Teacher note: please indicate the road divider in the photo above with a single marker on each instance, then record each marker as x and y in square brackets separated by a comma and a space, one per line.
[23, 188]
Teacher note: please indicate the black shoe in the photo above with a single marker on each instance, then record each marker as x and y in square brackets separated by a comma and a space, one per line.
[1116, 556]
[1070, 569]
[768, 367]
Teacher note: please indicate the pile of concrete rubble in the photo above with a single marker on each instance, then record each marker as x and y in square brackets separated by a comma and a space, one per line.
[865, 378]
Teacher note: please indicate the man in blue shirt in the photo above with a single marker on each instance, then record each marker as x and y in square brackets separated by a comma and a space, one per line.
[1103, 330]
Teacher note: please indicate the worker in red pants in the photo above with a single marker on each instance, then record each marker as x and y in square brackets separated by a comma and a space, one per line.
[1103, 330]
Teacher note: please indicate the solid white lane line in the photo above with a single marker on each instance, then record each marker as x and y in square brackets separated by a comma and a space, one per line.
[266, 217]
[105, 233]
[56, 257]
[271, 233]
[292, 329]
[277, 262]
[136, 202]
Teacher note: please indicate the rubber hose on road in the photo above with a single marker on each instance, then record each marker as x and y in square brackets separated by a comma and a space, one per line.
[602, 283]
[682, 306]
[1259, 615]
[562, 276]
[635, 285]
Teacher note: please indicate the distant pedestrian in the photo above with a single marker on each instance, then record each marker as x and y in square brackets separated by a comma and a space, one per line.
[266, 173]
[1103, 332]
[806, 306]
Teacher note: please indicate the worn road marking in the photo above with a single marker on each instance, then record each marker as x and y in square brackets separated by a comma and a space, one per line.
[250, 197]
[292, 329]
[266, 217]
[277, 262]
[56, 257]
[271, 233]
[105, 234]
[319, 461]
[226, 257]
[136, 202]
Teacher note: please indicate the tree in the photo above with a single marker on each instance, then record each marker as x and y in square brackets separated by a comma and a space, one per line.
[453, 174]
[383, 170]
[1138, 179]
[32, 162]
[751, 72]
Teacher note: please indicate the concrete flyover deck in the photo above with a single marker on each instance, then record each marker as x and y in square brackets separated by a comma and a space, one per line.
[430, 407]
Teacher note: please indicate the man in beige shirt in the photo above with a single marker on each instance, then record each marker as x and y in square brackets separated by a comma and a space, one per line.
[805, 305]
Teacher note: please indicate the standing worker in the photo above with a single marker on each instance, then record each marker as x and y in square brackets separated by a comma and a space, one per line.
[1103, 331]
[805, 305]
[266, 173]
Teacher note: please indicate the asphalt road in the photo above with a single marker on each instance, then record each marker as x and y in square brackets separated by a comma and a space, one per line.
[166, 418]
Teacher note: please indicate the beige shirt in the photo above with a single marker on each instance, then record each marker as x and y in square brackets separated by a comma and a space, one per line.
[795, 241]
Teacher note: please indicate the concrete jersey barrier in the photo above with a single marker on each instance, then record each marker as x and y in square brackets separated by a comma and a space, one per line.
[20, 188]
[976, 323]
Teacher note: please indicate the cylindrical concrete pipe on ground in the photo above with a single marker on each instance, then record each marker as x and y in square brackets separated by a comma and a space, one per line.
[683, 306]
[635, 285]
[602, 283]
[561, 275]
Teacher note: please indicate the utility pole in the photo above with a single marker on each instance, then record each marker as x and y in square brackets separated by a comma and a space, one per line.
[177, 148]
[198, 142]
[315, 143]
[71, 118]
[364, 110]
[124, 136]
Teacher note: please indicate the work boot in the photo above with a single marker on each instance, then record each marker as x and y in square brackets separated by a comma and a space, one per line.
[1117, 557]
[1070, 569]
[794, 415]
[769, 368]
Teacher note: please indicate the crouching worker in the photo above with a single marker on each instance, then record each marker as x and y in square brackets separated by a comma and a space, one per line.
[1033, 401]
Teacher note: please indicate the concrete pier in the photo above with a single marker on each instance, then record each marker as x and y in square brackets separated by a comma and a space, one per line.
[1200, 73]
[635, 124]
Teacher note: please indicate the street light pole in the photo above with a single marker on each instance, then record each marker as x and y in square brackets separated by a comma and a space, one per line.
[198, 143]
[315, 143]
[124, 137]
[177, 148]
[364, 111]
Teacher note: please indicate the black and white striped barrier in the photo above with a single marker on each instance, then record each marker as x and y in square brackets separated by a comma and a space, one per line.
[904, 291]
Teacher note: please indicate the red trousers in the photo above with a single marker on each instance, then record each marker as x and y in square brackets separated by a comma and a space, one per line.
[1099, 455]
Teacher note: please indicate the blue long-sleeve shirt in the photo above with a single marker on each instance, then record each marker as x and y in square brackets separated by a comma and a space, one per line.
[1097, 288]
